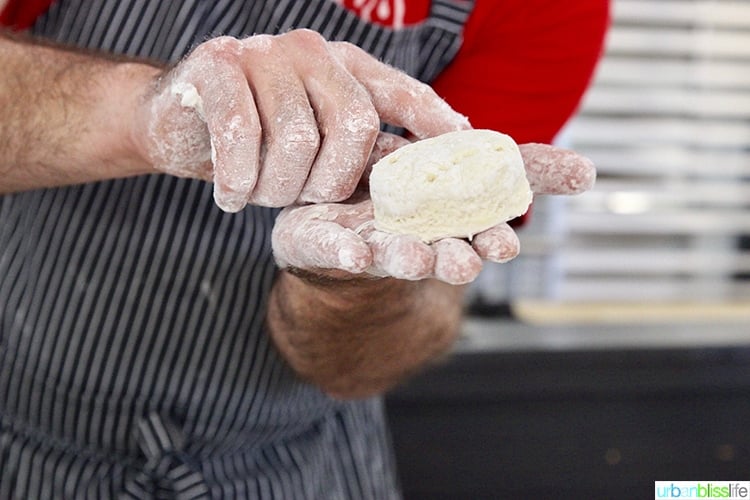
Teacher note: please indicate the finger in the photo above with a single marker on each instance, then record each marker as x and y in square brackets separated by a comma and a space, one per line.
[233, 124]
[553, 170]
[401, 256]
[290, 131]
[398, 98]
[347, 119]
[497, 244]
[307, 238]
[456, 262]
[385, 144]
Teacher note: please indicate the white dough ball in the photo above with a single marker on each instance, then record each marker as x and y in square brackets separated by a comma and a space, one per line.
[454, 185]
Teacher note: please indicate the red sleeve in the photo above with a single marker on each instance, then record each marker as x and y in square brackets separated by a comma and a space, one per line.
[525, 64]
[20, 14]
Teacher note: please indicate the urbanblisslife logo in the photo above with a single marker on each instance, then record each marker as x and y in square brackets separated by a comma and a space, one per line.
[702, 489]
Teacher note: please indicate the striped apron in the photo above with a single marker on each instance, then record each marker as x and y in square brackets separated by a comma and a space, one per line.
[133, 357]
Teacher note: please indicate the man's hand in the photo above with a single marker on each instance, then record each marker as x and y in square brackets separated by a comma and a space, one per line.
[329, 238]
[334, 237]
[270, 120]
[274, 120]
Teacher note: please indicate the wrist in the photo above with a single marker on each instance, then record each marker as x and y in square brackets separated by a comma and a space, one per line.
[358, 337]
[124, 139]
[347, 294]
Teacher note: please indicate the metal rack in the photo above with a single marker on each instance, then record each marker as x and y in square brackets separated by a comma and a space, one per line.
[667, 122]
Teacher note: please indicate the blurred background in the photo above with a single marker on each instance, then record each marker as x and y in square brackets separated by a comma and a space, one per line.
[615, 351]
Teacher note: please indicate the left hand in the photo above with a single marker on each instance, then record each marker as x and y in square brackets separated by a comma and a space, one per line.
[277, 119]
[338, 240]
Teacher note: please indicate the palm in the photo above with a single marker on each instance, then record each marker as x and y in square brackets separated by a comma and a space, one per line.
[333, 237]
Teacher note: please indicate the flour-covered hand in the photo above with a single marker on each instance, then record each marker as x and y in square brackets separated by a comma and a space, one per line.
[274, 120]
[338, 240]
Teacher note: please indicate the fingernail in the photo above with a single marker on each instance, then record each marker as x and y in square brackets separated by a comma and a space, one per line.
[352, 260]
[229, 201]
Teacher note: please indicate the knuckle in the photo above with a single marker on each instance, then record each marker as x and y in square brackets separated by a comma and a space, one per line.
[307, 38]
[297, 136]
[360, 121]
[348, 49]
[212, 56]
[416, 90]
[221, 46]
[319, 192]
[261, 44]
[301, 132]
[236, 131]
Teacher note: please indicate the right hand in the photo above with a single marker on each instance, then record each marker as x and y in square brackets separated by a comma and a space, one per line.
[277, 120]
[338, 241]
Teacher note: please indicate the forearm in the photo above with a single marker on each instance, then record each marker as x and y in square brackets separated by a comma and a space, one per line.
[66, 117]
[360, 338]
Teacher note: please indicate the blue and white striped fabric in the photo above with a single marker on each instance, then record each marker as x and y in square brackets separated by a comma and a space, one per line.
[133, 357]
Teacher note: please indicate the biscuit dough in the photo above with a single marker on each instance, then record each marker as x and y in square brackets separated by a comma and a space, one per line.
[454, 185]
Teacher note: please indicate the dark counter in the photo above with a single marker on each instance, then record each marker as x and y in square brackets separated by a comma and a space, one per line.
[522, 420]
